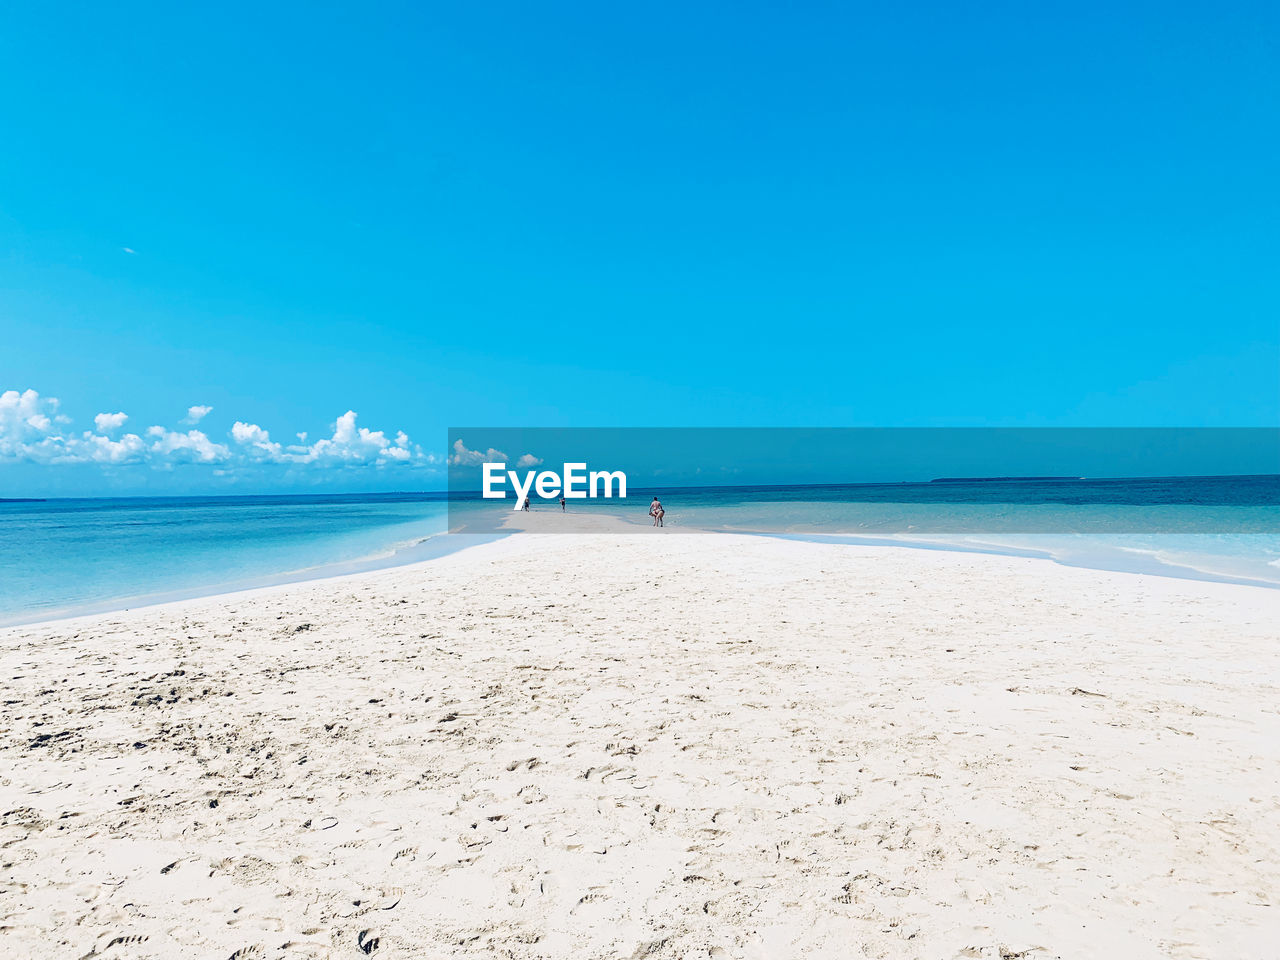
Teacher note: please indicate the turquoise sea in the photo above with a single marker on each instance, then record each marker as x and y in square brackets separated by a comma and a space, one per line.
[67, 556]
[62, 557]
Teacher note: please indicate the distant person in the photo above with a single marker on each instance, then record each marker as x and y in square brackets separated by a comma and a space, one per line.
[562, 504]
[526, 504]
[657, 512]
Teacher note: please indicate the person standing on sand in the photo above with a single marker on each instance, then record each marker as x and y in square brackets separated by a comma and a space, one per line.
[526, 504]
[562, 504]
[656, 511]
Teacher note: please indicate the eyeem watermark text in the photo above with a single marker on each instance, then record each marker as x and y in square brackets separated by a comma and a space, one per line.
[575, 482]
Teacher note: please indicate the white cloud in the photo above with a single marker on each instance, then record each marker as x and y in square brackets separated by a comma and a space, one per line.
[128, 250]
[349, 445]
[529, 460]
[354, 446]
[99, 449]
[24, 418]
[31, 430]
[106, 422]
[462, 457]
[400, 450]
[257, 440]
[190, 447]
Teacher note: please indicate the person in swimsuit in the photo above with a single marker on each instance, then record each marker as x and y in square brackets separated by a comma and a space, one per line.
[526, 503]
[562, 504]
[657, 512]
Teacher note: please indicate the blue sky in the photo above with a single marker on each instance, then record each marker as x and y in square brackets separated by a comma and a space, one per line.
[588, 216]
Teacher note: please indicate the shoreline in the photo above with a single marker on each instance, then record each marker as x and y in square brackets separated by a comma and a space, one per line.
[1154, 568]
[445, 544]
[436, 546]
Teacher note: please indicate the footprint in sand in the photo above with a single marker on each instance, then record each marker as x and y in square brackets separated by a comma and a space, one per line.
[592, 894]
[273, 924]
[312, 947]
[390, 897]
[124, 940]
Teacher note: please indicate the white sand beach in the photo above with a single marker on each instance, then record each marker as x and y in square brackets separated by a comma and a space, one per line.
[652, 746]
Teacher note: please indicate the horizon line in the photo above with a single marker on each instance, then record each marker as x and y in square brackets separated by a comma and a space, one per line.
[679, 486]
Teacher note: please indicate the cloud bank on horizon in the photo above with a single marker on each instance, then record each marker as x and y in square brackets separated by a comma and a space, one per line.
[33, 429]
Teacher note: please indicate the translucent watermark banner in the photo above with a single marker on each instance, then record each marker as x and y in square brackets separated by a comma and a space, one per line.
[865, 481]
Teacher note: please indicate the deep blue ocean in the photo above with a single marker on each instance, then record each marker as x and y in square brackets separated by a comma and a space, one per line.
[68, 556]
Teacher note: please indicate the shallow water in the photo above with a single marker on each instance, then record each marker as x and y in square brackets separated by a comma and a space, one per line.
[76, 556]
[64, 557]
